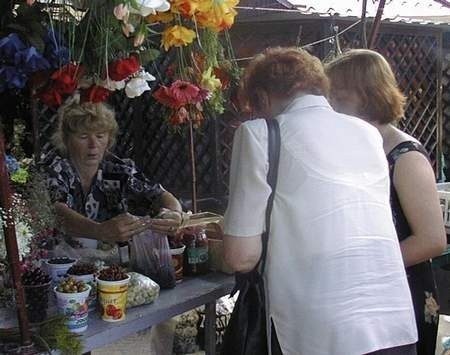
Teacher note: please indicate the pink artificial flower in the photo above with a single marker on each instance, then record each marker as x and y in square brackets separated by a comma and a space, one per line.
[139, 39]
[121, 12]
[184, 92]
[30, 2]
[127, 29]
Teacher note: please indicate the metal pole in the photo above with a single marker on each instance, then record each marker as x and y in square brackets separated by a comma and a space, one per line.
[12, 249]
[376, 24]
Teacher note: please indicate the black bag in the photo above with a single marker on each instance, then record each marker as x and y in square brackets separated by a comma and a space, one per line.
[246, 332]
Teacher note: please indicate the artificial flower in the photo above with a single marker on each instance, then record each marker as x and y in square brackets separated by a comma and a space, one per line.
[136, 87]
[11, 164]
[184, 92]
[51, 97]
[209, 81]
[139, 37]
[223, 76]
[216, 15]
[146, 76]
[65, 80]
[112, 85]
[148, 7]
[12, 78]
[177, 36]
[127, 29]
[56, 54]
[95, 94]
[30, 2]
[121, 11]
[30, 60]
[186, 8]
[164, 96]
[179, 116]
[10, 45]
[123, 68]
[163, 17]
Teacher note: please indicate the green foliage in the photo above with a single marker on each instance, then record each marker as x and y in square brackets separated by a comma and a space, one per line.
[56, 334]
[20, 176]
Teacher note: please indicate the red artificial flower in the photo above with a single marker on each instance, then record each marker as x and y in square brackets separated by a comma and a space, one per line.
[164, 96]
[123, 68]
[51, 97]
[66, 79]
[95, 94]
[184, 92]
[223, 76]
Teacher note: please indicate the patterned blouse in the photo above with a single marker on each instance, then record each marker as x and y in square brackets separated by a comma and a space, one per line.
[119, 187]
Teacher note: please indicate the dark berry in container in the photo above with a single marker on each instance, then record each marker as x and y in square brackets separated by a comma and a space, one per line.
[36, 285]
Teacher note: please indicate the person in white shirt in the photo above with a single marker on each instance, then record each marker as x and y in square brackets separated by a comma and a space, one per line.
[334, 275]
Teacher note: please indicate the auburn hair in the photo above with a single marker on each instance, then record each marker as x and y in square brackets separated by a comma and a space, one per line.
[281, 72]
[368, 74]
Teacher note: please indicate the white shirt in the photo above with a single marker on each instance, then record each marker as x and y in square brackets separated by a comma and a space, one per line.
[335, 276]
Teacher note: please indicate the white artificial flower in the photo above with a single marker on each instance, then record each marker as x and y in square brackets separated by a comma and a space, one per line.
[23, 237]
[112, 85]
[136, 87]
[150, 7]
[146, 76]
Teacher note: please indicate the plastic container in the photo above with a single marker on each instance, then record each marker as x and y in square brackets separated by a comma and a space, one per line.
[112, 297]
[91, 281]
[74, 307]
[58, 271]
[36, 301]
[177, 262]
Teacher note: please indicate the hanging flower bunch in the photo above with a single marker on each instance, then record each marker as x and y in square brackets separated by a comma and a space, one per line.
[193, 27]
[19, 61]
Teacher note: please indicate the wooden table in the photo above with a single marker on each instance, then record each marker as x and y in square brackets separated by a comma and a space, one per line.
[189, 294]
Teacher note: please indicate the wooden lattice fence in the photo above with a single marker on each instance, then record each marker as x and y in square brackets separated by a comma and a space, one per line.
[446, 114]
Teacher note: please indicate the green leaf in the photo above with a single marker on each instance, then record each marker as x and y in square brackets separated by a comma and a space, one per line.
[36, 41]
[149, 55]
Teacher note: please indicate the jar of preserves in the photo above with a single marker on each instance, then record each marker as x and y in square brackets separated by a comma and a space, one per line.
[196, 253]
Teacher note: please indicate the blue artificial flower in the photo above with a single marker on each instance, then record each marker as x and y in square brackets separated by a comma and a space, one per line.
[30, 60]
[11, 164]
[57, 57]
[10, 45]
[55, 52]
[12, 78]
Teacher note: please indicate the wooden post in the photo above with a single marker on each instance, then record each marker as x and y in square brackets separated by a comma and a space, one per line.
[12, 249]
[193, 166]
[376, 24]
[363, 25]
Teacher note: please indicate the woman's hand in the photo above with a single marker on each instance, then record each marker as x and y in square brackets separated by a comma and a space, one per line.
[120, 228]
[167, 221]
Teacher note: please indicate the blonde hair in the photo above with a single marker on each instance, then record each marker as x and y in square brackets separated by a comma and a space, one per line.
[86, 117]
[369, 75]
[281, 72]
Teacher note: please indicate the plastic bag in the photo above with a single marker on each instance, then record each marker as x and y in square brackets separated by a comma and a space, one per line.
[150, 256]
[141, 290]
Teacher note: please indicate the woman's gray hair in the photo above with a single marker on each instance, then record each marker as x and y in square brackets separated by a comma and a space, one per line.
[74, 117]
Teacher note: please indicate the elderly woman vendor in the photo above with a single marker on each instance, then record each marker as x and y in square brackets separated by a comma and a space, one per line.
[96, 194]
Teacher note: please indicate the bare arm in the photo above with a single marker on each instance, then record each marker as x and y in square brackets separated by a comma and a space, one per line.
[242, 253]
[119, 228]
[414, 181]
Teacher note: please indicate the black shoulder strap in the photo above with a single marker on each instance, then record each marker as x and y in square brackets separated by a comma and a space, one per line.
[274, 142]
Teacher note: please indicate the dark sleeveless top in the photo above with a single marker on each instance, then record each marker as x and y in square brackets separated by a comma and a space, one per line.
[420, 276]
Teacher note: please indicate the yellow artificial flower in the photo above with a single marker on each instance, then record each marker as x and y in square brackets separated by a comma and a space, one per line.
[177, 36]
[209, 81]
[163, 17]
[216, 15]
[186, 8]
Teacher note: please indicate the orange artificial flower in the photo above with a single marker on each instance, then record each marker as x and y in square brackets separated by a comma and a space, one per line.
[186, 8]
[216, 15]
[163, 17]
